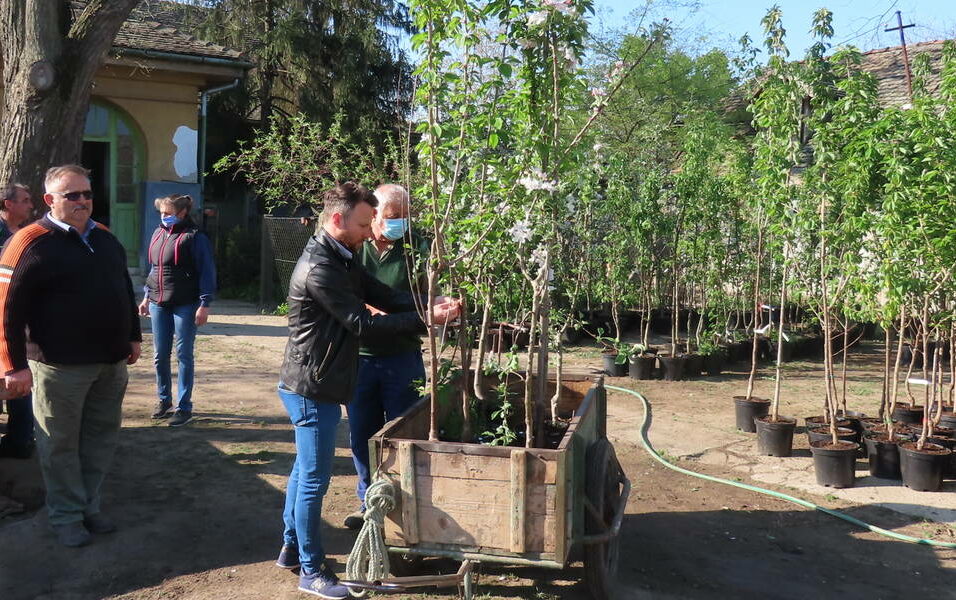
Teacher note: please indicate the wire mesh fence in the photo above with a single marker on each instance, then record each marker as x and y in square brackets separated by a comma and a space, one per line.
[287, 238]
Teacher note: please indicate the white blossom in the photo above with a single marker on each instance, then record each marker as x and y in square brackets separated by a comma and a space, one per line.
[598, 92]
[617, 69]
[564, 6]
[538, 18]
[570, 203]
[569, 55]
[521, 231]
[539, 256]
[536, 180]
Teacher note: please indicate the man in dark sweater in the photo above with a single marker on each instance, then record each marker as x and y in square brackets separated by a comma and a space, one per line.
[69, 329]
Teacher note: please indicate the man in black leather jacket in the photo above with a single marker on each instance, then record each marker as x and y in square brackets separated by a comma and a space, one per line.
[328, 294]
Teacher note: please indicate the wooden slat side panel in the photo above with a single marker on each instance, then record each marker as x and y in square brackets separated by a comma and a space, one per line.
[458, 495]
[484, 530]
[460, 512]
[412, 425]
[409, 487]
[482, 468]
[561, 506]
[519, 496]
[584, 434]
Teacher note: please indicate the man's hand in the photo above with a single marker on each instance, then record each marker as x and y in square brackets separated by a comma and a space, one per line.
[445, 311]
[19, 383]
[135, 349]
[202, 315]
[144, 308]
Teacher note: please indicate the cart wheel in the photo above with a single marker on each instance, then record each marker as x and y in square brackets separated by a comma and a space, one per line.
[405, 564]
[603, 482]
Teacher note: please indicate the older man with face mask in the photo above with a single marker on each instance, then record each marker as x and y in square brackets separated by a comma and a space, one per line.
[390, 370]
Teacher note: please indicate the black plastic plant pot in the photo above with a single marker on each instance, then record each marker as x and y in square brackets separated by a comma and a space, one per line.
[611, 367]
[854, 417]
[821, 433]
[672, 367]
[775, 438]
[908, 414]
[642, 367]
[870, 423]
[787, 352]
[818, 420]
[747, 410]
[714, 363]
[693, 366]
[950, 444]
[884, 456]
[922, 470]
[834, 464]
[948, 419]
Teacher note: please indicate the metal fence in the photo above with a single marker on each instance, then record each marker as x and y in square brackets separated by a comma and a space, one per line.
[286, 238]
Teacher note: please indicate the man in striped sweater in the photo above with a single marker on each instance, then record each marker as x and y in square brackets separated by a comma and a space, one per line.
[68, 329]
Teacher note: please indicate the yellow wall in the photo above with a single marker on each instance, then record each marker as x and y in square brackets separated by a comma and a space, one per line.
[159, 106]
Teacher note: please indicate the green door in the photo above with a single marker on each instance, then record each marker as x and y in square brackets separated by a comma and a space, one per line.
[112, 150]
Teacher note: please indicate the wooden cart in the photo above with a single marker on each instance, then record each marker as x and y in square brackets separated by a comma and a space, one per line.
[521, 506]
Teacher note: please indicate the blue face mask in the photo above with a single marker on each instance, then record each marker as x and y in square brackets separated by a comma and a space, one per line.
[394, 229]
[170, 220]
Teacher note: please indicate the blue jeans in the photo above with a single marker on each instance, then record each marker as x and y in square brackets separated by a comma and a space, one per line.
[315, 424]
[166, 320]
[386, 388]
[20, 422]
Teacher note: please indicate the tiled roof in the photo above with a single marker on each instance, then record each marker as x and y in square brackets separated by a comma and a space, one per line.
[159, 25]
[887, 65]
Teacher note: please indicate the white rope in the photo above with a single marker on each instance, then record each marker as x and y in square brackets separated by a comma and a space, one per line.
[369, 558]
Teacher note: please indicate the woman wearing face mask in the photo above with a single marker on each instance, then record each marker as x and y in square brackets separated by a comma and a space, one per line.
[178, 291]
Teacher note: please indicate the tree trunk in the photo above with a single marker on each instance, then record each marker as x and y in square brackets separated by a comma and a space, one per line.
[44, 127]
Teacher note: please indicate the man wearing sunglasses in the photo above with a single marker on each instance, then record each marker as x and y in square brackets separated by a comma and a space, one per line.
[68, 329]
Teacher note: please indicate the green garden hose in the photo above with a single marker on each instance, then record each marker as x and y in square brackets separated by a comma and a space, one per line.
[645, 426]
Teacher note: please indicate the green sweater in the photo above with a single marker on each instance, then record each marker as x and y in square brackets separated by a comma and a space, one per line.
[390, 268]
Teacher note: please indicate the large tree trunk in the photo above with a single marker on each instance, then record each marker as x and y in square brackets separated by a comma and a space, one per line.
[43, 126]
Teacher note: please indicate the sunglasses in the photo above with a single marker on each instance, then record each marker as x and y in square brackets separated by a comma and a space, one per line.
[75, 196]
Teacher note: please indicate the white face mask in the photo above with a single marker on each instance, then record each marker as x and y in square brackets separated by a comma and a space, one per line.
[394, 229]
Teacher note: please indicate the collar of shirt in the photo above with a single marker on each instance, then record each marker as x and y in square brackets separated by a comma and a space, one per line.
[345, 252]
[84, 235]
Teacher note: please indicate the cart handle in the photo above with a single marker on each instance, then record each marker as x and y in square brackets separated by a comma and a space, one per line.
[401, 584]
[600, 538]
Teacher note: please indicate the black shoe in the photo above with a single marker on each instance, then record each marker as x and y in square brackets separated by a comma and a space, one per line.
[288, 557]
[72, 535]
[355, 520]
[180, 418]
[162, 409]
[99, 524]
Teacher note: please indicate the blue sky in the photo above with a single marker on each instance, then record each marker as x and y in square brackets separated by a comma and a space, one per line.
[859, 22]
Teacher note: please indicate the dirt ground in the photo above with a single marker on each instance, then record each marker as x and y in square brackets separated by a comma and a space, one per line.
[199, 508]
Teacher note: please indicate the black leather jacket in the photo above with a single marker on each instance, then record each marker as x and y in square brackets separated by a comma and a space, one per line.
[327, 316]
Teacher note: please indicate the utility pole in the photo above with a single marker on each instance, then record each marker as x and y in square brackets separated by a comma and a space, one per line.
[906, 58]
